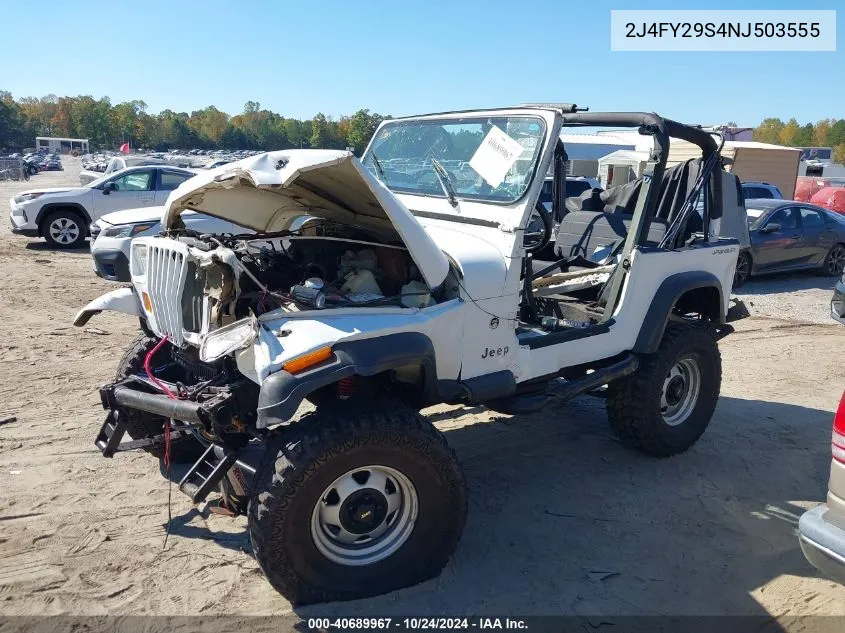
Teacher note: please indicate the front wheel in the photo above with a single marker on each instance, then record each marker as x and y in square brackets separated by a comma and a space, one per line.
[664, 407]
[355, 503]
[64, 229]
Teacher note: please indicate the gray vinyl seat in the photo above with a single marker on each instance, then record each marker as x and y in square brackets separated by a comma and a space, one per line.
[584, 232]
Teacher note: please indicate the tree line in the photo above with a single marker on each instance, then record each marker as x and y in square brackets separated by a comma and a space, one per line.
[107, 126]
[825, 133]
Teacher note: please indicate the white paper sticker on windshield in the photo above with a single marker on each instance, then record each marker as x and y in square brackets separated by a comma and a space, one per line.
[495, 156]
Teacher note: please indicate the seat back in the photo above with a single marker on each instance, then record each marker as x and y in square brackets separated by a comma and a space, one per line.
[585, 232]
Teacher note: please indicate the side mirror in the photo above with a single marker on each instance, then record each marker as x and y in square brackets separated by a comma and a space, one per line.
[771, 227]
[109, 187]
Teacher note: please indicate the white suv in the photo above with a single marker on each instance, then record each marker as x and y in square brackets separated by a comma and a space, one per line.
[62, 215]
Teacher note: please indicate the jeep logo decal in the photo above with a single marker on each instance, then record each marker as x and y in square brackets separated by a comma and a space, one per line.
[490, 352]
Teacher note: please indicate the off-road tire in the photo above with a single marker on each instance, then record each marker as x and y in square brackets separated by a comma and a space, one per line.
[140, 424]
[633, 402]
[299, 465]
[70, 218]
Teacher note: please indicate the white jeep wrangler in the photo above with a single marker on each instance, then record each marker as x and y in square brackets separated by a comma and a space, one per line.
[415, 285]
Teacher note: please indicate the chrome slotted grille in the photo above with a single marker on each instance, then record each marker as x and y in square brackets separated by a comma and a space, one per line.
[166, 272]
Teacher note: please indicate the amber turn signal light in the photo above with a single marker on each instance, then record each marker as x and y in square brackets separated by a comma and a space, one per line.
[305, 361]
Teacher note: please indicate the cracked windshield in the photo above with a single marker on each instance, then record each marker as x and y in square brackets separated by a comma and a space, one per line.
[491, 159]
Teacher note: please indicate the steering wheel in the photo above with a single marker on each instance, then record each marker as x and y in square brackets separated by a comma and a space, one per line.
[536, 240]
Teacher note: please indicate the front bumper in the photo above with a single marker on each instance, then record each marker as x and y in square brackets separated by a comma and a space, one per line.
[19, 220]
[822, 538]
[111, 265]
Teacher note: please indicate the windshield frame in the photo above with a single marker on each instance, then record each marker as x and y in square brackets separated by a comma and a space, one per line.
[463, 117]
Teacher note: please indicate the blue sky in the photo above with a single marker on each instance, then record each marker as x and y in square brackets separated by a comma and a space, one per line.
[401, 57]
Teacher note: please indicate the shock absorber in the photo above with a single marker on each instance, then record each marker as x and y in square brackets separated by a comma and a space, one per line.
[346, 387]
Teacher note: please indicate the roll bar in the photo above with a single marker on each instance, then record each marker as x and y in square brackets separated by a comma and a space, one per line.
[649, 123]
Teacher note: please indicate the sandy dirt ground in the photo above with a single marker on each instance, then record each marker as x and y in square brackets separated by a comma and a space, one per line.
[562, 519]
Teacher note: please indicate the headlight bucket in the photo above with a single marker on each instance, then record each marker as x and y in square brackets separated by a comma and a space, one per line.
[227, 339]
[138, 261]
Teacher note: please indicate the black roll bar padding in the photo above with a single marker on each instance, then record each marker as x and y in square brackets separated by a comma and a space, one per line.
[559, 180]
[649, 123]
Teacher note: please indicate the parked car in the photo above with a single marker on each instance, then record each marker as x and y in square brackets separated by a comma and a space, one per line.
[31, 165]
[759, 190]
[116, 163]
[791, 235]
[62, 215]
[112, 235]
[51, 163]
[837, 302]
[821, 531]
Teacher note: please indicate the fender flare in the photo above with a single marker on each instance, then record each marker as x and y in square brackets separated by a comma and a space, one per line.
[121, 300]
[57, 206]
[670, 291]
[282, 393]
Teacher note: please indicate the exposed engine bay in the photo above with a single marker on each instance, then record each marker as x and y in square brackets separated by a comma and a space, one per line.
[323, 265]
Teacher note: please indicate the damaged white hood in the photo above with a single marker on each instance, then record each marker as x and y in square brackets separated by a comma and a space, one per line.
[266, 192]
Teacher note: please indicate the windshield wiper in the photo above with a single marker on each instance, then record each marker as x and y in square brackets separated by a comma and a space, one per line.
[445, 181]
[379, 168]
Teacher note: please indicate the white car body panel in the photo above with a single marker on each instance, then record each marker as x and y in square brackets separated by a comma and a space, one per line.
[474, 335]
[121, 300]
[253, 193]
[119, 200]
[310, 330]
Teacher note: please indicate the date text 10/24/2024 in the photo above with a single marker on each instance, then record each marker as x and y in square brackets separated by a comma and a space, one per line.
[415, 624]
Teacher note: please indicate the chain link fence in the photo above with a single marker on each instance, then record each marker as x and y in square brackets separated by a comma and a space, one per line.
[13, 169]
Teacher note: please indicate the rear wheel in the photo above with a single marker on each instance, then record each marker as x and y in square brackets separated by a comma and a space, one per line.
[64, 229]
[665, 406]
[140, 424]
[743, 269]
[356, 502]
[834, 263]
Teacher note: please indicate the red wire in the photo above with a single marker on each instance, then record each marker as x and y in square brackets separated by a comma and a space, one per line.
[147, 368]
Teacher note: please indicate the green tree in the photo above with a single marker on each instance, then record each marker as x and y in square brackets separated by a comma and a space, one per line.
[836, 136]
[362, 126]
[789, 133]
[769, 131]
[805, 136]
[319, 131]
[821, 132]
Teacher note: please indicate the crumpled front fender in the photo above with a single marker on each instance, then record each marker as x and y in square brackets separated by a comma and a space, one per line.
[121, 300]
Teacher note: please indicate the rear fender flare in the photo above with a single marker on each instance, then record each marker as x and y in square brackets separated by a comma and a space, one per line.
[121, 300]
[665, 299]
